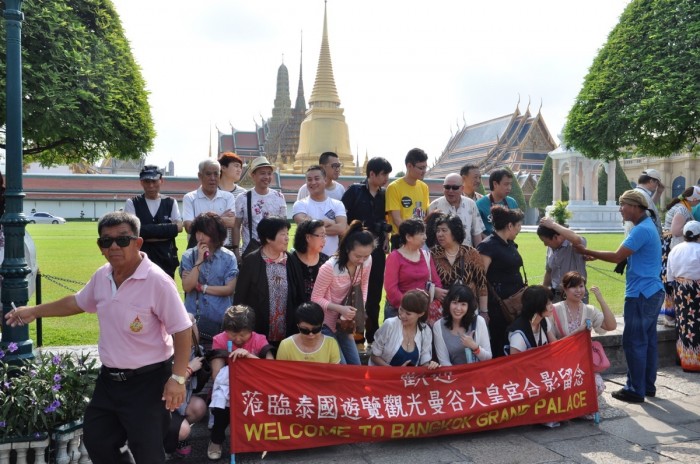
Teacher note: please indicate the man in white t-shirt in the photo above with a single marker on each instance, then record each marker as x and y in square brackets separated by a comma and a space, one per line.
[331, 165]
[263, 201]
[319, 206]
[160, 220]
[453, 202]
[208, 198]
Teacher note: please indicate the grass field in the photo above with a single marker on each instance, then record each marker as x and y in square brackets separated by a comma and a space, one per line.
[69, 252]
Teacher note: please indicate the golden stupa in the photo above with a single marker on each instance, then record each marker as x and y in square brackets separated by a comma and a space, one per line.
[324, 128]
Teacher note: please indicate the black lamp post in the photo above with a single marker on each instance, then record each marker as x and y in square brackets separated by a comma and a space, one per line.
[14, 269]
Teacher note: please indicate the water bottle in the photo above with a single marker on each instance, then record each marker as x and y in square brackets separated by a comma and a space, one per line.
[469, 354]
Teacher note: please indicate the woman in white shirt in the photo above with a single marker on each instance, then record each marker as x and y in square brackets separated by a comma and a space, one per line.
[405, 340]
[461, 335]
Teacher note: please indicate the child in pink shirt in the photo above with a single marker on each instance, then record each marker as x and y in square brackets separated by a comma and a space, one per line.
[238, 325]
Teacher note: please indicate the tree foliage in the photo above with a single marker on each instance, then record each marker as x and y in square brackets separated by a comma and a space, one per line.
[642, 92]
[543, 195]
[517, 192]
[84, 96]
[622, 183]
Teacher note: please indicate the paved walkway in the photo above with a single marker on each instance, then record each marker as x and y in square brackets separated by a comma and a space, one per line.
[664, 429]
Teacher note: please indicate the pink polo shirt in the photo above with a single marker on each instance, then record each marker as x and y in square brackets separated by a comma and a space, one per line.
[137, 319]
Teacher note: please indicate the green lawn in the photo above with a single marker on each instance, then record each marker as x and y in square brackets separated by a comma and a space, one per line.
[69, 252]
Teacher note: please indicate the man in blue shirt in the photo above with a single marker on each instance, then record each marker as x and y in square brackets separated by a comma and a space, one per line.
[643, 296]
[500, 184]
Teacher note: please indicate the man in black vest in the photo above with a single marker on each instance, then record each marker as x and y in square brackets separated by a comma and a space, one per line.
[160, 220]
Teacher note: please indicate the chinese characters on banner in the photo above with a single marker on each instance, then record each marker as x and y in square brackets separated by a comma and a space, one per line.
[284, 405]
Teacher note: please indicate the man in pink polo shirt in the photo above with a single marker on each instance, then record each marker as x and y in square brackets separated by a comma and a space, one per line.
[143, 327]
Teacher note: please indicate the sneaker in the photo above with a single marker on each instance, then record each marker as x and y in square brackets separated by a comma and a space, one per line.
[183, 448]
[214, 451]
[627, 396]
[551, 425]
[669, 322]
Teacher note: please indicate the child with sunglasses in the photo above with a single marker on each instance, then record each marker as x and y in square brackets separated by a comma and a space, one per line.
[238, 325]
[309, 344]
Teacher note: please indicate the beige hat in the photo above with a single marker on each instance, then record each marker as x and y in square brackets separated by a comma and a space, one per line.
[635, 198]
[653, 173]
[260, 162]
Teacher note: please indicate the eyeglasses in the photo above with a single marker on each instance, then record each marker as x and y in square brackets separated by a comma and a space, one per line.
[305, 331]
[122, 241]
[337, 165]
[451, 187]
[421, 168]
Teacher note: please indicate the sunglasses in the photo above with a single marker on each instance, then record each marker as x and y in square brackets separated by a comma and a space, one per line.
[337, 165]
[122, 241]
[451, 187]
[305, 331]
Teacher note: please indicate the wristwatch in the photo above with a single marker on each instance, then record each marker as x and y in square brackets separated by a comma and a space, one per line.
[178, 378]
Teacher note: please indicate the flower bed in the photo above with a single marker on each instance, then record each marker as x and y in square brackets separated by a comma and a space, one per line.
[39, 395]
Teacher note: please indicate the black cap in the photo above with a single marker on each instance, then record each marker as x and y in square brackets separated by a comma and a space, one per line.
[150, 172]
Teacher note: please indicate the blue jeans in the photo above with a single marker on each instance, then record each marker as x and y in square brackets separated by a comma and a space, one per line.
[639, 342]
[346, 342]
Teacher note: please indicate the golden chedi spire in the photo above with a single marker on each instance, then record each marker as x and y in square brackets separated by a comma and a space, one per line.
[324, 128]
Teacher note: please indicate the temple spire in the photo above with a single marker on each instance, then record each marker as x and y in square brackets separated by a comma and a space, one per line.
[300, 104]
[324, 94]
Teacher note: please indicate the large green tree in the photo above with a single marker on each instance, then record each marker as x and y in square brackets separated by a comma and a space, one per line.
[84, 96]
[642, 92]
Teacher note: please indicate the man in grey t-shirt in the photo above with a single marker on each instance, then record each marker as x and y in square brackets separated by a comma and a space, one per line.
[561, 256]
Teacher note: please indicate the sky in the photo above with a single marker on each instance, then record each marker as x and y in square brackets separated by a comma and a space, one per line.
[408, 73]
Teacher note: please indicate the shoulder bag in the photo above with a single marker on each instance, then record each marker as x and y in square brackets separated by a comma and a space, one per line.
[252, 243]
[601, 363]
[354, 299]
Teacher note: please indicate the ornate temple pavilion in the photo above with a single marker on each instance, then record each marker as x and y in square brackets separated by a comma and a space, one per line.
[518, 141]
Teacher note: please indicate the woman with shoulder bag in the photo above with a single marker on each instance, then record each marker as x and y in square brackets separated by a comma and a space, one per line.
[502, 264]
[341, 286]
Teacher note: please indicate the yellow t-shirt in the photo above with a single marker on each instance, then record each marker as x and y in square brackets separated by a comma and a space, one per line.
[404, 198]
[328, 352]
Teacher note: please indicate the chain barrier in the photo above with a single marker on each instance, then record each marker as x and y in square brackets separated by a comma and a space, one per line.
[58, 280]
[606, 273]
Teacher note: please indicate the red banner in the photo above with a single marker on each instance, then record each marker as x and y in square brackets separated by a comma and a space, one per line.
[285, 405]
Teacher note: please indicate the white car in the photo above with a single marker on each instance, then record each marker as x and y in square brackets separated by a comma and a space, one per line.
[45, 218]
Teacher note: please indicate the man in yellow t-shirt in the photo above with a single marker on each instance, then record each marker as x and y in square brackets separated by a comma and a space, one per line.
[408, 196]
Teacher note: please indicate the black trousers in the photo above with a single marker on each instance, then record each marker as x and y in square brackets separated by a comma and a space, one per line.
[133, 411]
[374, 293]
[222, 419]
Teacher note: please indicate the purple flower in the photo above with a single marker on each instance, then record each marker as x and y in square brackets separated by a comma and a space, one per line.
[12, 347]
[32, 373]
[56, 359]
[2, 354]
[3, 424]
[56, 387]
[52, 407]
[57, 378]
[37, 435]
[7, 384]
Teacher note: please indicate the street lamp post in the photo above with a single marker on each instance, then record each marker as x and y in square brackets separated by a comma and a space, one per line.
[14, 269]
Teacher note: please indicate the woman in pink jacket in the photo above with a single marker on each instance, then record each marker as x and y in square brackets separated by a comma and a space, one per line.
[348, 267]
[409, 267]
